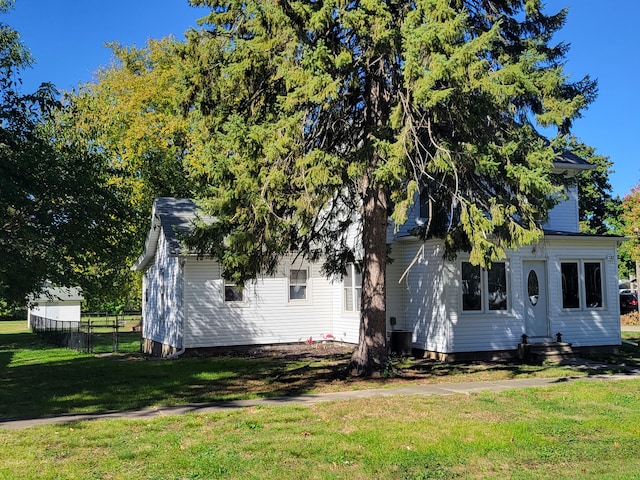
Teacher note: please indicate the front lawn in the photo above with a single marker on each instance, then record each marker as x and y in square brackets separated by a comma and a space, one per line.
[577, 430]
[39, 379]
[572, 430]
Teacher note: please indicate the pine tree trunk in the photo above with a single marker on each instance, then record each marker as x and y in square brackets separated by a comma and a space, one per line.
[370, 356]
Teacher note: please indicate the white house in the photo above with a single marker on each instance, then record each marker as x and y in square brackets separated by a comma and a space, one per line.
[187, 304]
[567, 284]
[60, 304]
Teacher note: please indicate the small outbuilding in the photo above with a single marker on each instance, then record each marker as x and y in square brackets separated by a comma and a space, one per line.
[59, 304]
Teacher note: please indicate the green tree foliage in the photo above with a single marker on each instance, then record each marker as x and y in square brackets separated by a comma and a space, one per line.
[132, 114]
[598, 209]
[631, 215]
[53, 196]
[310, 116]
[131, 117]
[16, 126]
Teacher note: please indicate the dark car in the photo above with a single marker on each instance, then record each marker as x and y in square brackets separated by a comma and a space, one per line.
[628, 301]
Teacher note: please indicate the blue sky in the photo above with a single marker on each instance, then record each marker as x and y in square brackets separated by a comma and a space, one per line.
[67, 38]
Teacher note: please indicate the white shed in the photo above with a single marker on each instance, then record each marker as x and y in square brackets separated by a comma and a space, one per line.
[62, 304]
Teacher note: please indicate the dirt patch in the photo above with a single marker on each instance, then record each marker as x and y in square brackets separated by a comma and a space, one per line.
[297, 351]
[631, 318]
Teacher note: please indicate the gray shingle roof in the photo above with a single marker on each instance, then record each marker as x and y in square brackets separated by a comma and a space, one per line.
[172, 216]
[567, 158]
[175, 215]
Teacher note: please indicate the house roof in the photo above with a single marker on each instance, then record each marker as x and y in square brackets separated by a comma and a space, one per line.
[52, 293]
[568, 159]
[171, 216]
[562, 233]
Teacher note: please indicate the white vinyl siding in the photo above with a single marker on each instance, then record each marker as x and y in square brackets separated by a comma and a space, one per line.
[185, 297]
[162, 306]
[267, 315]
[424, 294]
[585, 326]
[486, 329]
[564, 216]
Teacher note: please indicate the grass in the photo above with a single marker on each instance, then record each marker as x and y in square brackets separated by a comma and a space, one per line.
[39, 379]
[585, 430]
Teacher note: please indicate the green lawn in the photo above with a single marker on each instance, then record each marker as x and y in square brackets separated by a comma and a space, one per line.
[585, 430]
[581, 430]
[40, 379]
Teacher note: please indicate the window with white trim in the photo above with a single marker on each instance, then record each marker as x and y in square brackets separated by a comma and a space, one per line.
[484, 290]
[298, 284]
[581, 284]
[352, 288]
[233, 292]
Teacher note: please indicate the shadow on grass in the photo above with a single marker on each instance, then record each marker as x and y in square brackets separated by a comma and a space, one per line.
[38, 379]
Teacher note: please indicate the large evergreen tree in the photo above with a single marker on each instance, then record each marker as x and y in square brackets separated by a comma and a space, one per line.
[313, 115]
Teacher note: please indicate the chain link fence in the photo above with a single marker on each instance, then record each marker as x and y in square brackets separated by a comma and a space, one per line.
[95, 333]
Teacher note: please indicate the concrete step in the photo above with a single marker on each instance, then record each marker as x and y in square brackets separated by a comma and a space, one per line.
[545, 351]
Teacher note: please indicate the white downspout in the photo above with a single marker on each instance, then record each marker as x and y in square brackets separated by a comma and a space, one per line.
[175, 354]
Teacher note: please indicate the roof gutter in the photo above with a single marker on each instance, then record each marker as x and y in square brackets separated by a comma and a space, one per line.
[150, 245]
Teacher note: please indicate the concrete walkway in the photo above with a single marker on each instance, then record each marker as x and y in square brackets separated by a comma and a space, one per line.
[441, 389]
[630, 328]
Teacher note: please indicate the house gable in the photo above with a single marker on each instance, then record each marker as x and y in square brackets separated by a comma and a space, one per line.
[171, 217]
[563, 217]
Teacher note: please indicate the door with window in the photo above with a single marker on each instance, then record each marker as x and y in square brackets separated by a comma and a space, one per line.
[535, 299]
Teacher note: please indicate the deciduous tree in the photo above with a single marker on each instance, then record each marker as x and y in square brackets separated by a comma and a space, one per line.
[131, 116]
[57, 212]
[631, 209]
[312, 117]
[598, 209]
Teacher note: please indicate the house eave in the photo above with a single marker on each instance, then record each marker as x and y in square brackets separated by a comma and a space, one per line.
[547, 233]
[561, 233]
[150, 245]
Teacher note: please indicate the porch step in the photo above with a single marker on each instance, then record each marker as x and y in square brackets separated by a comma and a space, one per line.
[554, 351]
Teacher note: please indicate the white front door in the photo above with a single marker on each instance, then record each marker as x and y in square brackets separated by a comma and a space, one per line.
[535, 299]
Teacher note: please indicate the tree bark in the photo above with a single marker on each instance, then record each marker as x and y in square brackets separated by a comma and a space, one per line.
[370, 356]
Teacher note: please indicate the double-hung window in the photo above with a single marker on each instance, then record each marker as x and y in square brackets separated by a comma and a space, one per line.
[352, 287]
[298, 284]
[484, 290]
[581, 284]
